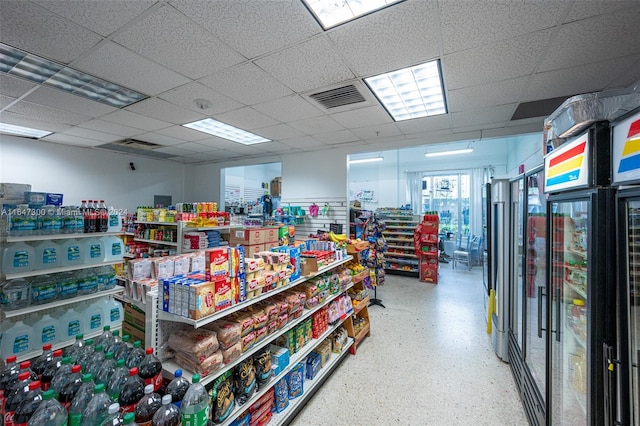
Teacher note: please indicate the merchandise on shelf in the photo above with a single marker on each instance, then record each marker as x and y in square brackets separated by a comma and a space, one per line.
[425, 242]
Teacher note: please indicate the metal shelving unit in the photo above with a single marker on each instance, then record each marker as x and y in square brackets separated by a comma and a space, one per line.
[400, 256]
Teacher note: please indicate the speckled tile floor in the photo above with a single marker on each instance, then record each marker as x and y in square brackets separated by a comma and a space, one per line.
[429, 361]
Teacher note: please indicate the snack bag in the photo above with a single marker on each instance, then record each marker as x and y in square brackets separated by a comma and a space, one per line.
[222, 397]
[244, 379]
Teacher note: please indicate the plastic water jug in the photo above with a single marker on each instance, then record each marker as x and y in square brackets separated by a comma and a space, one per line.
[72, 252]
[93, 251]
[47, 255]
[17, 339]
[46, 330]
[18, 257]
[71, 323]
[113, 247]
[44, 289]
[15, 294]
[112, 312]
[115, 224]
[93, 314]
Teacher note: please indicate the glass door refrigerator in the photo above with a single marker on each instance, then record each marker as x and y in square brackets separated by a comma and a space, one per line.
[486, 241]
[624, 358]
[580, 300]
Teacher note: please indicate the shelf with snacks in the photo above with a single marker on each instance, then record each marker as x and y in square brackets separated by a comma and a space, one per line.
[359, 320]
[158, 242]
[398, 254]
[405, 233]
[399, 235]
[426, 247]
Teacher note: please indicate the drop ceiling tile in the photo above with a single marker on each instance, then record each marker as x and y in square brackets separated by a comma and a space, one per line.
[131, 119]
[246, 150]
[588, 8]
[246, 119]
[628, 77]
[165, 111]
[601, 38]
[168, 37]
[6, 100]
[27, 121]
[289, 108]
[377, 132]
[246, 83]
[55, 98]
[305, 142]
[71, 140]
[174, 150]
[185, 96]
[103, 17]
[205, 157]
[46, 113]
[159, 139]
[484, 95]
[274, 147]
[471, 24]
[362, 117]
[194, 147]
[182, 133]
[279, 131]
[499, 61]
[34, 29]
[139, 73]
[188, 160]
[91, 134]
[371, 45]
[317, 64]
[470, 118]
[14, 86]
[339, 137]
[252, 27]
[425, 124]
[316, 125]
[214, 142]
[109, 127]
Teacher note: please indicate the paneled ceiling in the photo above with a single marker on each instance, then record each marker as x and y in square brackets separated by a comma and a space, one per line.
[257, 61]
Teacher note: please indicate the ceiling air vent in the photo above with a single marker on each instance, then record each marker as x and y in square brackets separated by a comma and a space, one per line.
[134, 146]
[338, 97]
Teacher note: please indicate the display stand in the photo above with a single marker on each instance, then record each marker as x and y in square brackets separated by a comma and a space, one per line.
[426, 247]
[375, 300]
[400, 258]
[373, 256]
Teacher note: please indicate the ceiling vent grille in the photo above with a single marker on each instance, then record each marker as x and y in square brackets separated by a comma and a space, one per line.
[134, 146]
[341, 96]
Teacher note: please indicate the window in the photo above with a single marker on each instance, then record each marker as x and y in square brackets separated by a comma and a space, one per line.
[449, 196]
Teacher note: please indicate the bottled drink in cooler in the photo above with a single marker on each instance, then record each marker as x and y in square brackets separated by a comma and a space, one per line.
[177, 388]
[167, 415]
[98, 408]
[115, 417]
[81, 400]
[15, 294]
[106, 369]
[51, 369]
[147, 406]
[50, 412]
[136, 355]
[150, 370]
[117, 379]
[62, 375]
[196, 404]
[71, 387]
[42, 361]
[132, 391]
[28, 405]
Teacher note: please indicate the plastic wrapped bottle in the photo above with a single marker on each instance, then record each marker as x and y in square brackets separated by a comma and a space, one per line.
[106, 369]
[115, 417]
[117, 379]
[147, 406]
[43, 290]
[115, 342]
[98, 408]
[167, 415]
[86, 353]
[81, 400]
[41, 363]
[136, 355]
[51, 369]
[104, 338]
[196, 404]
[49, 413]
[76, 349]
[132, 391]
[177, 387]
[15, 294]
[150, 370]
[71, 387]
[28, 405]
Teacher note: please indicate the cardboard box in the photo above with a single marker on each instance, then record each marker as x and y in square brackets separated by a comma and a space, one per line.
[217, 262]
[35, 198]
[309, 265]
[279, 358]
[276, 187]
[54, 199]
[134, 316]
[133, 331]
[429, 273]
[271, 236]
[250, 250]
[247, 237]
[209, 297]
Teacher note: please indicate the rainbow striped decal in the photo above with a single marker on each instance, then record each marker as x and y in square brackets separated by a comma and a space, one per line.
[631, 152]
[566, 167]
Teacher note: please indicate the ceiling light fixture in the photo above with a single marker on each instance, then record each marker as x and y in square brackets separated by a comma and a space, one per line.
[225, 131]
[412, 92]
[452, 152]
[366, 160]
[331, 13]
[10, 129]
[43, 71]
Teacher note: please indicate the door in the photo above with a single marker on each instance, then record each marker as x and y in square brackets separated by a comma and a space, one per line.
[569, 306]
[500, 240]
[516, 253]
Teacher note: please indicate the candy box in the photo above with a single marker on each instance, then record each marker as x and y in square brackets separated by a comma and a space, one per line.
[217, 262]
[314, 364]
[279, 358]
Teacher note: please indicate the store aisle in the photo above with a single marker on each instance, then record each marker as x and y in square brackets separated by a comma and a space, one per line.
[429, 361]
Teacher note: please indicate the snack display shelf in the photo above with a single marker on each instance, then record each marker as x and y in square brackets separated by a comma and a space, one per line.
[391, 253]
[401, 240]
[56, 270]
[169, 367]
[129, 256]
[58, 303]
[164, 243]
[162, 315]
[310, 388]
[400, 227]
[404, 272]
[189, 250]
[409, 234]
[578, 290]
[362, 334]
[402, 261]
[361, 305]
[129, 234]
[210, 228]
[158, 223]
[393, 246]
[17, 239]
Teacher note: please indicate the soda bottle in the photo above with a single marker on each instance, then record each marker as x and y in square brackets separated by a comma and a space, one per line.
[98, 408]
[15, 396]
[123, 349]
[136, 355]
[103, 217]
[177, 387]
[117, 379]
[167, 415]
[8, 377]
[106, 369]
[114, 343]
[62, 375]
[43, 360]
[50, 412]
[104, 338]
[85, 354]
[150, 370]
[50, 371]
[147, 406]
[81, 400]
[28, 405]
[26, 366]
[76, 349]
[89, 214]
[132, 391]
[196, 404]
[96, 360]
[115, 417]
[129, 419]
[71, 387]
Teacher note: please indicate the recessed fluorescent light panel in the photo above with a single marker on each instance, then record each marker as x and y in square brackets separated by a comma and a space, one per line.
[366, 160]
[452, 152]
[225, 131]
[48, 73]
[10, 129]
[331, 13]
[412, 92]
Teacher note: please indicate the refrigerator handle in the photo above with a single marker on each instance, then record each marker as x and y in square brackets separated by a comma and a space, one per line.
[558, 312]
[609, 371]
[541, 294]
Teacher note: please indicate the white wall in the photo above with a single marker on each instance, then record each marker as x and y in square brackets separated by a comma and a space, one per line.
[525, 150]
[81, 173]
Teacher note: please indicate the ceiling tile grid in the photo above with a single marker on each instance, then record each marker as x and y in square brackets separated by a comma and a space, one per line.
[278, 132]
[134, 120]
[471, 119]
[46, 113]
[590, 8]
[289, 108]
[182, 133]
[109, 127]
[187, 94]
[362, 117]
[372, 133]
[29, 121]
[425, 124]
[305, 143]
[55, 98]
[14, 86]
[336, 138]
[71, 140]
[159, 139]
[165, 111]
[5, 101]
[246, 119]
[315, 125]
[91, 134]
[485, 95]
